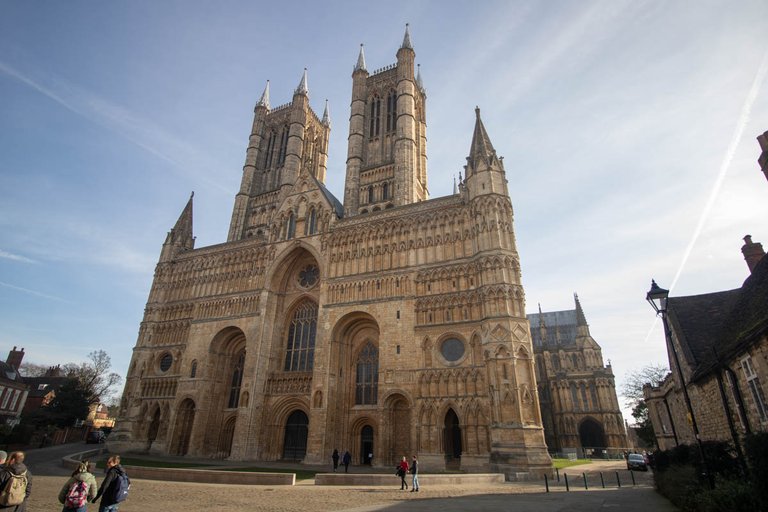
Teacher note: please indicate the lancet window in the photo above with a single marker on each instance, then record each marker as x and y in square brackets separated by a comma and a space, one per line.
[300, 353]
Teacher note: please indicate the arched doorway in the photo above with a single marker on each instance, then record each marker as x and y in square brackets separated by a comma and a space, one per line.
[366, 445]
[399, 420]
[592, 438]
[452, 436]
[296, 431]
[185, 419]
[227, 434]
[153, 429]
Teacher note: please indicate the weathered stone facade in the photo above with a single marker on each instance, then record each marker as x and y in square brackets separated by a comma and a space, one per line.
[579, 407]
[387, 326]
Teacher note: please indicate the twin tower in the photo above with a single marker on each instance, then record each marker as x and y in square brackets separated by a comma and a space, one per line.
[387, 153]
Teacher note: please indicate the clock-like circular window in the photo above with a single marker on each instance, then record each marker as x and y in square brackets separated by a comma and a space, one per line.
[165, 362]
[308, 276]
[452, 349]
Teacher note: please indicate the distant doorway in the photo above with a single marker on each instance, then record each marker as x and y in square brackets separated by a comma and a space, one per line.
[296, 431]
[185, 418]
[366, 445]
[452, 436]
[592, 438]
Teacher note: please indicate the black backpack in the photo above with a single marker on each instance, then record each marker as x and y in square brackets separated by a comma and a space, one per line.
[121, 486]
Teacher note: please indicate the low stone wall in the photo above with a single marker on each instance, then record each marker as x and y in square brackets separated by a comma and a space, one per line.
[210, 476]
[206, 476]
[379, 480]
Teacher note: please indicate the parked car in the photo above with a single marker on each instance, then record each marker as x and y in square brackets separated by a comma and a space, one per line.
[95, 437]
[636, 461]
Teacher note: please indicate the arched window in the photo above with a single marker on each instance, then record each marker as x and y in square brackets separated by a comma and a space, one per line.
[575, 398]
[367, 383]
[237, 380]
[311, 222]
[385, 191]
[300, 353]
[290, 226]
[391, 111]
[555, 362]
[370, 194]
[375, 115]
[593, 393]
[584, 398]
[283, 146]
[270, 150]
[193, 371]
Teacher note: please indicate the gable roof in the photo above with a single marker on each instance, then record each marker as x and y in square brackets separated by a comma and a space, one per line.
[561, 327]
[715, 327]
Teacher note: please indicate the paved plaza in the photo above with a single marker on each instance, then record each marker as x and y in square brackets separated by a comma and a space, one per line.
[147, 495]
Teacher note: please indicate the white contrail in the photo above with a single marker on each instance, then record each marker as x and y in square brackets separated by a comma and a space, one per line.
[738, 132]
[746, 110]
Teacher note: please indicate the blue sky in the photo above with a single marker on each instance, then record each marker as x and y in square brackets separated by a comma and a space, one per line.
[628, 130]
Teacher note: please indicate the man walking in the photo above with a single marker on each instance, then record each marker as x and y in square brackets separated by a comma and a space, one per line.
[415, 473]
[112, 491]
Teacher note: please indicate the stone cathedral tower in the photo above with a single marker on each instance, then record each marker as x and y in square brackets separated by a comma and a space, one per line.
[390, 325]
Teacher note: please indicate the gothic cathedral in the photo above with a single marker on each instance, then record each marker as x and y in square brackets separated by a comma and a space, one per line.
[388, 325]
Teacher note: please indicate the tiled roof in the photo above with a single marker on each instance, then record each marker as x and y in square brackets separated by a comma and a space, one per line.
[561, 327]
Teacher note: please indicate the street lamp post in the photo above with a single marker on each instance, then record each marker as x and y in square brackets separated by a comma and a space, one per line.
[657, 298]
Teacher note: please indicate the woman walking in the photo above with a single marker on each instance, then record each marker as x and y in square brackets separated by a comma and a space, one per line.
[79, 490]
[402, 471]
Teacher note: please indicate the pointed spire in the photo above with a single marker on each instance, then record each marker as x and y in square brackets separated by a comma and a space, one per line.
[360, 66]
[541, 317]
[302, 88]
[481, 144]
[581, 320]
[264, 101]
[418, 77]
[407, 39]
[326, 116]
[455, 189]
[181, 234]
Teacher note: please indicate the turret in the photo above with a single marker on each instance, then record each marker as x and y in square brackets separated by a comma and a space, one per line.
[410, 188]
[298, 124]
[484, 170]
[356, 136]
[249, 168]
[180, 237]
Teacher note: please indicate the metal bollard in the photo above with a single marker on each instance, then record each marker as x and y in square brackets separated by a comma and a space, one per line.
[632, 473]
[557, 472]
[602, 482]
[546, 482]
[585, 481]
[565, 477]
[618, 480]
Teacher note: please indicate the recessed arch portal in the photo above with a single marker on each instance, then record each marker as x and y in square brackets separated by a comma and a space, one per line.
[185, 418]
[296, 433]
[451, 435]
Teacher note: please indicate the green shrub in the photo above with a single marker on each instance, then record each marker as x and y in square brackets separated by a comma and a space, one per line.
[679, 484]
[727, 496]
[756, 447]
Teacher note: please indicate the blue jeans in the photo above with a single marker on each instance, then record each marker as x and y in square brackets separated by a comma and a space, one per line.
[108, 508]
[416, 481]
[79, 509]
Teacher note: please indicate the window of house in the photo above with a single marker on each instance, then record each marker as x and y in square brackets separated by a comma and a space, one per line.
[6, 397]
[15, 400]
[367, 380]
[300, 352]
[755, 388]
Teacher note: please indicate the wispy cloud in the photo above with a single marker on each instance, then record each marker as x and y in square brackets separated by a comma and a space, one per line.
[15, 257]
[182, 156]
[33, 292]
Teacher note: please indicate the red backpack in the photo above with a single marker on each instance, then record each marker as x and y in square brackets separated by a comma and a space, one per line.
[77, 495]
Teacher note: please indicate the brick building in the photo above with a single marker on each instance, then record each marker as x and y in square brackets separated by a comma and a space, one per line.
[387, 325]
[13, 389]
[721, 342]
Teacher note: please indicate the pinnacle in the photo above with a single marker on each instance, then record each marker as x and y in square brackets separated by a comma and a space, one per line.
[360, 66]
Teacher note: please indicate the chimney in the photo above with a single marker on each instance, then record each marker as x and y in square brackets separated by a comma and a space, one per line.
[15, 357]
[753, 252]
[763, 160]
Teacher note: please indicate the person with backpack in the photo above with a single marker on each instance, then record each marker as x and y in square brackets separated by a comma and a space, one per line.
[15, 484]
[114, 487]
[79, 489]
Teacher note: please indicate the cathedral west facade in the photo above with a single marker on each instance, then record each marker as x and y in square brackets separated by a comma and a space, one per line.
[388, 325]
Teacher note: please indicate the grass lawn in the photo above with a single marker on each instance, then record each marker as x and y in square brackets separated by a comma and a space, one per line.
[300, 473]
[148, 463]
[565, 463]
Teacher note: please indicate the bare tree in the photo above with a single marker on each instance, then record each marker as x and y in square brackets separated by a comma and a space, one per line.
[94, 376]
[32, 370]
[632, 388]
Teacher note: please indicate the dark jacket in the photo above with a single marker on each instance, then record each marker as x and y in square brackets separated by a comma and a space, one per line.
[5, 475]
[107, 489]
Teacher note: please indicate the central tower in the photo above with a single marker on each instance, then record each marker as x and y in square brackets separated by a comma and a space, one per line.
[387, 151]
